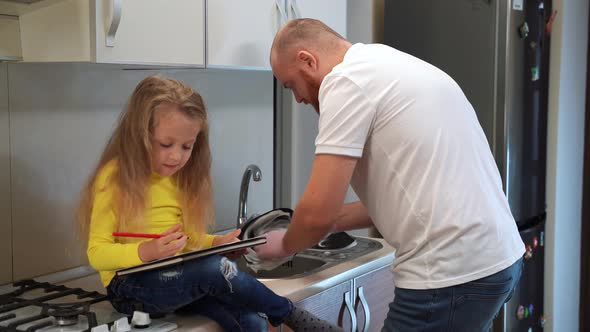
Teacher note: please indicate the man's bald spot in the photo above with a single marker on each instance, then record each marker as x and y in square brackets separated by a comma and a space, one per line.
[305, 33]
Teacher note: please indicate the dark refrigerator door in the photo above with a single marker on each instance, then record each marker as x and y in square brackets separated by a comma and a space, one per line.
[524, 311]
[527, 118]
[457, 36]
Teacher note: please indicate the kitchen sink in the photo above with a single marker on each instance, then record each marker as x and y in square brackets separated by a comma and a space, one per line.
[299, 266]
[313, 260]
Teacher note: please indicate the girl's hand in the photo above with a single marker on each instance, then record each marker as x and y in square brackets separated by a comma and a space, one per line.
[229, 238]
[171, 242]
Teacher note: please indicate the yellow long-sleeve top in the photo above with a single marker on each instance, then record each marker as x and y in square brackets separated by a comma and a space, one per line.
[106, 253]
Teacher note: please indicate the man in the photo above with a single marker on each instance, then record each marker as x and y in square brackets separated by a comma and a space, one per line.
[405, 136]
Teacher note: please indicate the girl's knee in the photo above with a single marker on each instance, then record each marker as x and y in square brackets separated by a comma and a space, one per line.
[213, 266]
[207, 265]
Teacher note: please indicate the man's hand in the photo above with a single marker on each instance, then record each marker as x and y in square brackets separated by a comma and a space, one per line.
[230, 238]
[171, 242]
[273, 248]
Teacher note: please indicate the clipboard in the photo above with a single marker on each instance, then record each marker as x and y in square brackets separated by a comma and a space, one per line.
[196, 254]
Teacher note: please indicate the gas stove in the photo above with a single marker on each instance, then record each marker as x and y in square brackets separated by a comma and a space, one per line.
[44, 307]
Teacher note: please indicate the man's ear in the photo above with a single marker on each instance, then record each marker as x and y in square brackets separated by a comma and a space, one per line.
[307, 59]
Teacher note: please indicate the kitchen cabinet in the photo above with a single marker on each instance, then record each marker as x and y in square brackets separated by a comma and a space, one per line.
[331, 12]
[194, 33]
[240, 33]
[333, 304]
[158, 32]
[10, 48]
[5, 218]
[360, 304]
[372, 293]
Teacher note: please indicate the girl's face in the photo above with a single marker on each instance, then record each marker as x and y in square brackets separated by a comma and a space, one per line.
[173, 137]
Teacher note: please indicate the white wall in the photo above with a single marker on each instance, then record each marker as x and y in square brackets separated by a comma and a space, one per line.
[565, 151]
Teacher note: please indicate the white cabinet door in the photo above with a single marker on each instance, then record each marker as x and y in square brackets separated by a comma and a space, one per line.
[151, 31]
[240, 33]
[142, 32]
[10, 48]
[331, 12]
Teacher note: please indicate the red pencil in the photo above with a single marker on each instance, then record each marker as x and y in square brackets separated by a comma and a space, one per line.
[142, 235]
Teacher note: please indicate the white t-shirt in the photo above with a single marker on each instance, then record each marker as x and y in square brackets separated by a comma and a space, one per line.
[425, 170]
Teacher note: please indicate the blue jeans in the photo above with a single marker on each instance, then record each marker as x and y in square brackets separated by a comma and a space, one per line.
[212, 287]
[468, 307]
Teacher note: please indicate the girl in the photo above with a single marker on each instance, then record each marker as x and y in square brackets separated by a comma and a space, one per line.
[154, 177]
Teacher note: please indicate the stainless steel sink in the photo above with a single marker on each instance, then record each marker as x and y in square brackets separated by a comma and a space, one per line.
[313, 260]
[299, 266]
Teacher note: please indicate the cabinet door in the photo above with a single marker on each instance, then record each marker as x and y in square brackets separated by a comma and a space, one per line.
[240, 33]
[331, 12]
[5, 223]
[10, 48]
[331, 305]
[149, 31]
[374, 292]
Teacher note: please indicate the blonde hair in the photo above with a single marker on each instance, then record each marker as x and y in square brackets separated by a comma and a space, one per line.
[131, 147]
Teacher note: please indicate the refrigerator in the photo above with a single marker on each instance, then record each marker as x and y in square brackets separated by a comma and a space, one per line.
[497, 51]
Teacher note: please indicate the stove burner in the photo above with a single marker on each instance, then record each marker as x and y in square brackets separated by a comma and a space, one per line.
[66, 320]
[65, 314]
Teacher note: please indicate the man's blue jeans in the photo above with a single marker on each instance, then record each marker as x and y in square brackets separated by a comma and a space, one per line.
[211, 287]
[468, 307]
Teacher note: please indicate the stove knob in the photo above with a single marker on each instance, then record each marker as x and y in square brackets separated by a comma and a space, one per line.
[121, 325]
[100, 328]
[141, 319]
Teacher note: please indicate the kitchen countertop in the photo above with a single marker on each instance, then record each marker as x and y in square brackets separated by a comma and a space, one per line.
[295, 289]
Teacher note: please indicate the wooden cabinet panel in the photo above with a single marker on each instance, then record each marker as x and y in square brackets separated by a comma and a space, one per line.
[377, 289]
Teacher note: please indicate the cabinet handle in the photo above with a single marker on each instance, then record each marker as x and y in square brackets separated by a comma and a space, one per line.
[295, 9]
[365, 305]
[350, 308]
[283, 16]
[116, 10]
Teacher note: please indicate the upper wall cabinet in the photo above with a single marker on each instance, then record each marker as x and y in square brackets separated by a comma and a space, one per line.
[159, 32]
[213, 33]
[331, 12]
[9, 38]
[240, 33]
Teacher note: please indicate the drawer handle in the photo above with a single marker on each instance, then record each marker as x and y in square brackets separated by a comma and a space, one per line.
[350, 308]
[116, 8]
[365, 305]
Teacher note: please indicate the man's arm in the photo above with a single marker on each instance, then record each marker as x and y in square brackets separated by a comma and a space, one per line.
[352, 216]
[321, 203]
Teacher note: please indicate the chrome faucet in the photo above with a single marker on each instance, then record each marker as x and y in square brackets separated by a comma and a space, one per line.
[243, 210]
